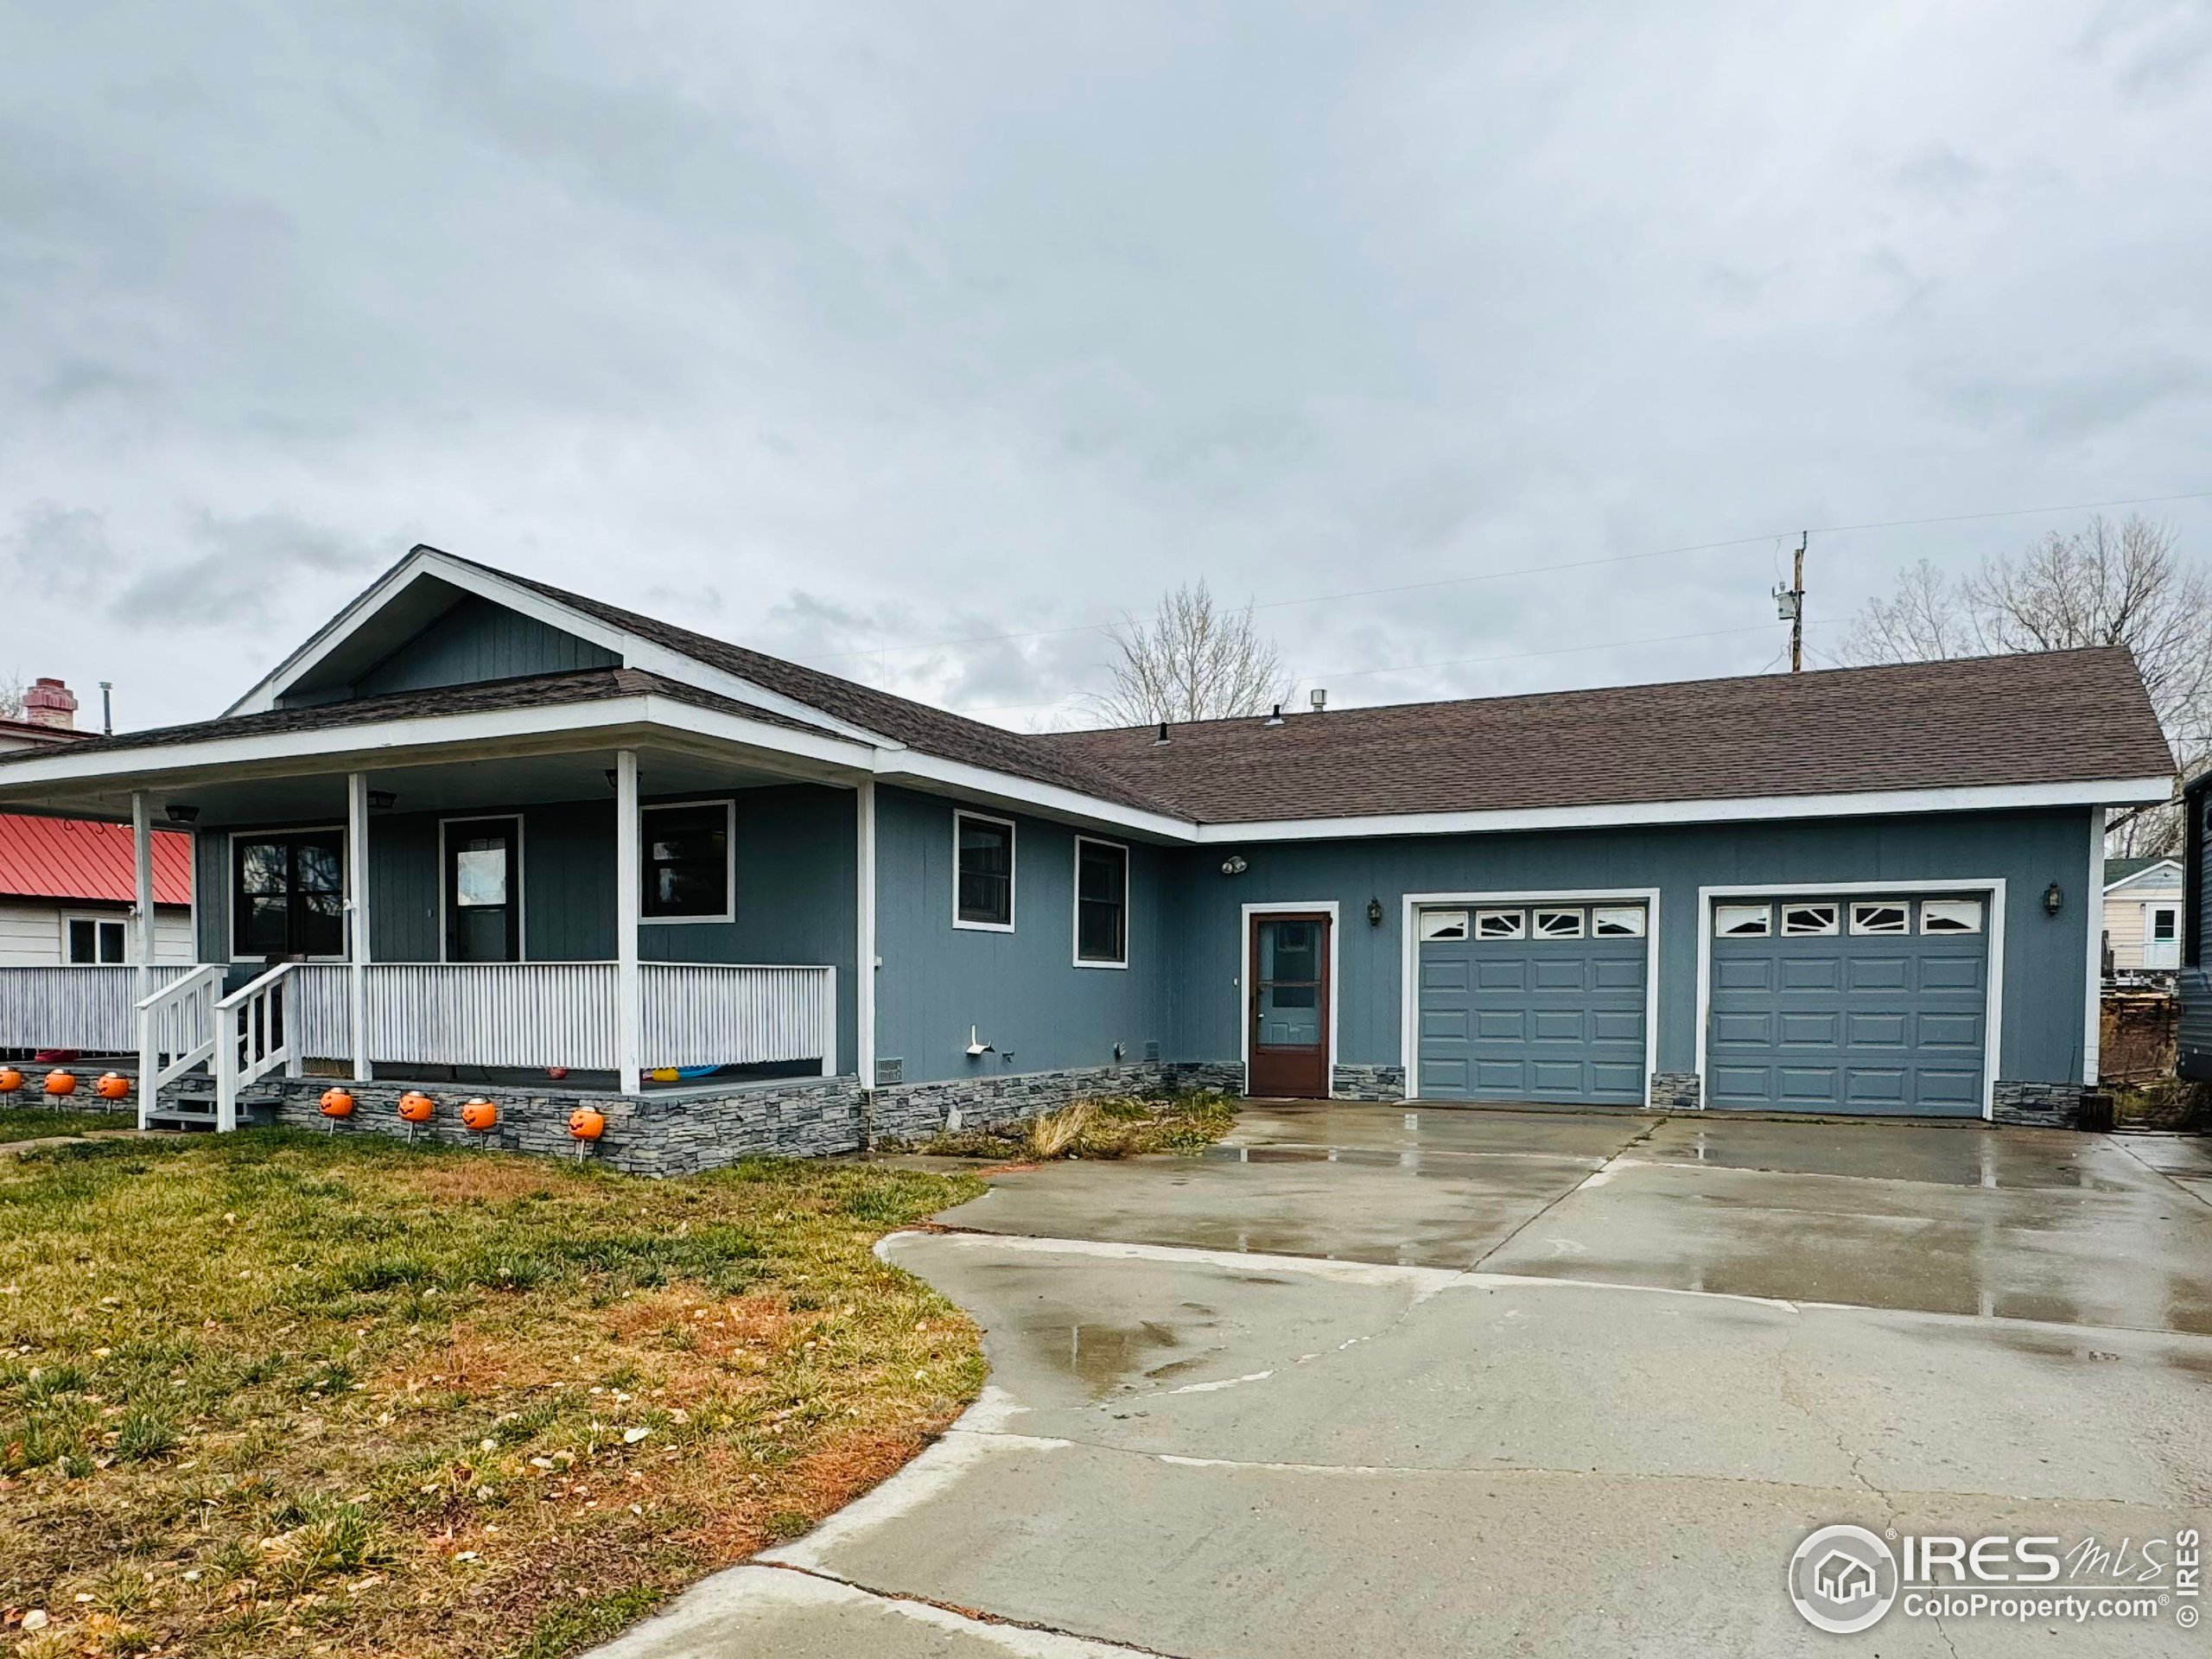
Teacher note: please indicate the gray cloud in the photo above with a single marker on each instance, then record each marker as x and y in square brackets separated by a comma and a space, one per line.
[842, 330]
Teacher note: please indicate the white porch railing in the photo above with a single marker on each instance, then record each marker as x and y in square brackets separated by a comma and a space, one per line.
[176, 1031]
[253, 1037]
[533, 1014]
[91, 1009]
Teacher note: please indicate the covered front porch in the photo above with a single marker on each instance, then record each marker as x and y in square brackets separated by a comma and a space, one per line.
[641, 918]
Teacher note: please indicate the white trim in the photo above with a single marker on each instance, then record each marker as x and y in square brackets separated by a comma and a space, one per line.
[628, 1023]
[1282, 907]
[522, 916]
[2162, 867]
[1409, 962]
[141, 933]
[1076, 902]
[231, 880]
[1012, 871]
[728, 804]
[931, 774]
[1875, 802]
[357, 919]
[1993, 1003]
[865, 964]
[2094, 960]
[635, 650]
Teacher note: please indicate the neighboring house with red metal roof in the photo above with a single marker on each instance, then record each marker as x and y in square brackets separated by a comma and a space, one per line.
[66, 884]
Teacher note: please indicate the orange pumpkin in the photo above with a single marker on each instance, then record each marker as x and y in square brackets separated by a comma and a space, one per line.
[59, 1082]
[586, 1123]
[415, 1107]
[112, 1085]
[335, 1103]
[10, 1079]
[480, 1116]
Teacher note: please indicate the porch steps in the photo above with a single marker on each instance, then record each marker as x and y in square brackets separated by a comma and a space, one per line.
[189, 1104]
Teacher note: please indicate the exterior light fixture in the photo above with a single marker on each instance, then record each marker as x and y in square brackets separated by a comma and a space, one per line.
[382, 800]
[178, 812]
[1375, 912]
[2052, 899]
[1233, 865]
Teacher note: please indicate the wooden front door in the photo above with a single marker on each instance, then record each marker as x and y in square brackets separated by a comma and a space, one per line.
[1288, 974]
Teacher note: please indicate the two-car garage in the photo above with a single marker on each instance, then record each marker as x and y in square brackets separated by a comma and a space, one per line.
[1851, 1002]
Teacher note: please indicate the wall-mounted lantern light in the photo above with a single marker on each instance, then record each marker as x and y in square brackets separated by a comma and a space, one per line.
[2052, 899]
[1233, 865]
[1375, 912]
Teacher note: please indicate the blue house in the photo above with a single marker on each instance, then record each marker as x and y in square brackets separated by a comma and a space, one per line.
[482, 837]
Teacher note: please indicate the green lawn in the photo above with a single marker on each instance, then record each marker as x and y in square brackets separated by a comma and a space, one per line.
[271, 1394]
[36, 1122]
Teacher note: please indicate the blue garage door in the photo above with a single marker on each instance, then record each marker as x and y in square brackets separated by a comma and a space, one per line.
[1533, 1002]
[1849, 1005]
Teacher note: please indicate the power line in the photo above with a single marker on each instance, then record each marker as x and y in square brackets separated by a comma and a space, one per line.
[1545, 569]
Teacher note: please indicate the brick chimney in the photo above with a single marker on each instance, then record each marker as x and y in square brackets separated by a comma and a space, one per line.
[50, 703]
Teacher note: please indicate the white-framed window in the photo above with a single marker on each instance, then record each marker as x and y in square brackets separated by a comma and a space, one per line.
[87, 941]
[1801, 921]
[982, 872]
[688, 855]
[1559, 924]
[1880, 916]
[1443, 924]
[1102, 903]
[1501, 923]
[1742, 921]
[1617, 922]
[1952, 916]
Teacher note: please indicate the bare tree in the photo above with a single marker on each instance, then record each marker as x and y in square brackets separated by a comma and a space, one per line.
[2106, 584]
[11, 694]
[1192, 660]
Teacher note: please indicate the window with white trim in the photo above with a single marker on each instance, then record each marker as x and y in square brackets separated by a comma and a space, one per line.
[983, 873]
[1801, 921]
[1617, 922]
[1101, 902]
[1878, 917]
[1443, 924]
[93, 940]
[1501, 923]
[1559, 924]
[1742, 921]
[1952, 916]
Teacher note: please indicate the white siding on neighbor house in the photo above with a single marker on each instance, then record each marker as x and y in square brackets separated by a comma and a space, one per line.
[31, 936]
[2126, 919]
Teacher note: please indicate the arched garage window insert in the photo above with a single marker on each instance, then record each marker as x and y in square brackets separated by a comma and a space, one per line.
[1501, 923]
[1879, 918]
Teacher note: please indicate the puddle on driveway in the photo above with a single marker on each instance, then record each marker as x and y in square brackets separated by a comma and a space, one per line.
[1106, 1357]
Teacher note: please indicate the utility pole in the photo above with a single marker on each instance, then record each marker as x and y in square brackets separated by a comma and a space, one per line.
[1789, 607]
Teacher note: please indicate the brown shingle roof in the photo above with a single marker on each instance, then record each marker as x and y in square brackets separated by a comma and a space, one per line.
[2048, 717]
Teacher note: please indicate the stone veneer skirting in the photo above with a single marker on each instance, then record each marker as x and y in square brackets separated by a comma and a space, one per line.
[1676, 1091]
[2051, 1105]
[1369, 1083]
[915, 1111]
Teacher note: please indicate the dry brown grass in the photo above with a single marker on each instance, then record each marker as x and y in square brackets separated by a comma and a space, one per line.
[274, 1395]
[1109, 1127]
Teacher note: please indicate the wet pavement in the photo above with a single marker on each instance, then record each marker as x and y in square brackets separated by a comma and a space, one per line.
[1373, 1380]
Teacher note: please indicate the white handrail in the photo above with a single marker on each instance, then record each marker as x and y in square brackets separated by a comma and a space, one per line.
[178, 1021]
[252, 1038]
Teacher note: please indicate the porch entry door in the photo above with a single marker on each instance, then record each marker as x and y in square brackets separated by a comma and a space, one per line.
[1290, 990]
[484, 890]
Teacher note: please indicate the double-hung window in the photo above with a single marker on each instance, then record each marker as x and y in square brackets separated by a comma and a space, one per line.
[1102, 903]
[93, 940]
[983, 872]
[688, 865]
[288, 893]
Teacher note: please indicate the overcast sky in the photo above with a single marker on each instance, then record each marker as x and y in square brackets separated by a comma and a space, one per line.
[840, 329]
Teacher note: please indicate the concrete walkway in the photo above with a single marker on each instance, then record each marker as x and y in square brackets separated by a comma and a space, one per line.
[1368, 1381]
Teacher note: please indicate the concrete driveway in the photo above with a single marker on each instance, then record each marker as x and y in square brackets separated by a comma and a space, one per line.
[1373, 1380]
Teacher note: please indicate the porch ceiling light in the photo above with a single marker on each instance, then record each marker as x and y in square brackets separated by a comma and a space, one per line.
[2052, 899]
[382, 800]
[178, 812]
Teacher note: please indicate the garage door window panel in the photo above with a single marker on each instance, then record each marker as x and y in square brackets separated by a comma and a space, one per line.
[1809, 921]
[1501, 923]
[1742, 921]
[1952, 916]
[1559, 924]
[1617, 922]
[1879, 918]
[1436, 925]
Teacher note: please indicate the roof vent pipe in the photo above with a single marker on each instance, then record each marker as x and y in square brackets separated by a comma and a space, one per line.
[1160, 736]
[1275, 719]
[1318, 698]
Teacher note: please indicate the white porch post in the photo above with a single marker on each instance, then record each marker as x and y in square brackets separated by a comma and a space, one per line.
[626, 918]
[864, 944]
[142, 854]
[357, 915]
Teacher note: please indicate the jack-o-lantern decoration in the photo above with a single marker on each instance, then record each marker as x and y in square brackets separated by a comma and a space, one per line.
[479, 1115]
[10, 1079]
[335, 1103]
[59, 1082]
[112, 1085]
[586, 1123]
[415, 1107]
